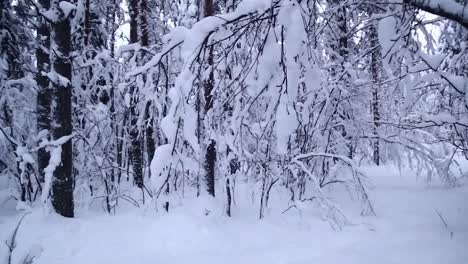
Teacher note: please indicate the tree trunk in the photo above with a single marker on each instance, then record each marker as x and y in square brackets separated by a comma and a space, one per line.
[375, 69]
[144, 23]
[44, 93]
[210, 154]
[210, 160]
[150, 142]
[62, 185]
[111, 14]
[344, 54]
[133, 10]
[228, 197]
[135, 148]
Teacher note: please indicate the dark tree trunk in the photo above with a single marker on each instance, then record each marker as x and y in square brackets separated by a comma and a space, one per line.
[144, 23]
[229, 198]
[375, 69]
[208, 8]
[62, 185]
[111, 14]
[44, 93]
[340, 44]
[210, 160]
[150, 142]
[135, 148]
[133, 10]
[210, 155]
[344, 54]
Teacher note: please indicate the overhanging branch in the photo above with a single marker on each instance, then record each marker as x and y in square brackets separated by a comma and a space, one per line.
[446, 8]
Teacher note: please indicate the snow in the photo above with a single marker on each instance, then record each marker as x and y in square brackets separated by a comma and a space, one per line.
[284, 93]
[55, 149]
[386, 34]
[286, 124]
[294, 37]
[51, 15]
[160, 164]
[450, 7]
[168, 124]
[24, 158]
[434, 61]
[407, 229]
[66, 7]
[248, 6]
[55, 159]
[190, 127]
[460, 83]
[171, 40]
[58, 79]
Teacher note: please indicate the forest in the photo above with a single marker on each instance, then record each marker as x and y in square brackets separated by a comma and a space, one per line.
[233, 124]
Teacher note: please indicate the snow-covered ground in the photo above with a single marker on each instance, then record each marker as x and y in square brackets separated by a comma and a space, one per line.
[407, 229]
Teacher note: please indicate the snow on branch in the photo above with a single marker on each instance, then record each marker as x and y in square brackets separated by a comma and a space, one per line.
[58, 79]
[330, 210]
[54, 15]
[200, 31]
[444, 8]
[67, 8]
[173, 40]
[55, 150]
[357, 176]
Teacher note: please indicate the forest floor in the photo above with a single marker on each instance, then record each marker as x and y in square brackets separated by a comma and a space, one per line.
[409, 228]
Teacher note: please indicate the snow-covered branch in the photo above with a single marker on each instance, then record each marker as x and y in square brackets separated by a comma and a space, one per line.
[445, 8]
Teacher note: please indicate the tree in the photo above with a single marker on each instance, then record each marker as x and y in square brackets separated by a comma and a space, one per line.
[210, 152]
[283, 96]
[16, 97]
[135, 135]
[60, 77]
[449, 9]
[376, 70]
[44, 91]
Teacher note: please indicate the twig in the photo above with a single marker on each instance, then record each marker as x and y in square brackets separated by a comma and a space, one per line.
[12, 243]
[294, 205]
[444, 222]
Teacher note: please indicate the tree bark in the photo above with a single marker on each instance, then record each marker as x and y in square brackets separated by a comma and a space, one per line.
[210, 154]
[135, 148]
[144, 23]
[228, 197]
[62, 185]
[150, 142]
[376, 67]
[44, 93]
[133, 10]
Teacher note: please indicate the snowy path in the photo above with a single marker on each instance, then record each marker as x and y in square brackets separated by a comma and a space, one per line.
[406, 230]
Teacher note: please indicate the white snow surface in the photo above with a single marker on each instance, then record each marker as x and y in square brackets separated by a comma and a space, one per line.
[66, 7]
[407, 229]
